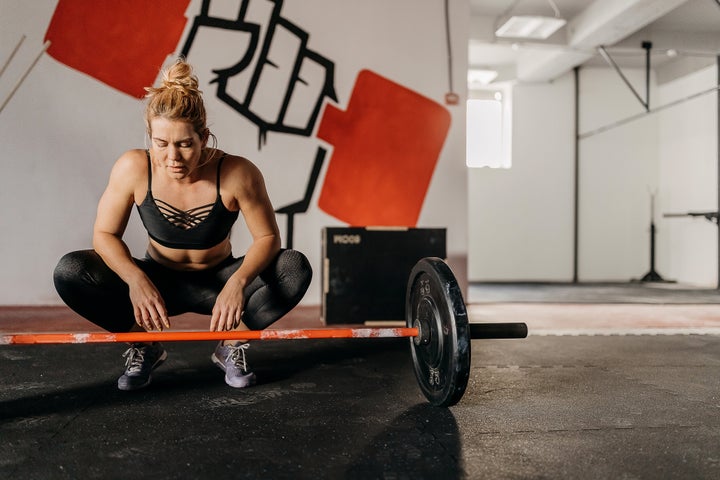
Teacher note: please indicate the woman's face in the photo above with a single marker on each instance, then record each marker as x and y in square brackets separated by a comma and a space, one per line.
[176, 147]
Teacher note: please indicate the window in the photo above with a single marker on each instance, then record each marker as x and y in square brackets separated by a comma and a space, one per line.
[489, 129]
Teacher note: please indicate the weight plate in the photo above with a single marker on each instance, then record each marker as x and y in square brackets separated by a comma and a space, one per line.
[441, 352]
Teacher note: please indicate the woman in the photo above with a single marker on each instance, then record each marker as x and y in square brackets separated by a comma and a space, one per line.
[188, 196]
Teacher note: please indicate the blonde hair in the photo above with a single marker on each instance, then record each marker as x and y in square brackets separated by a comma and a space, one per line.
[177, 98]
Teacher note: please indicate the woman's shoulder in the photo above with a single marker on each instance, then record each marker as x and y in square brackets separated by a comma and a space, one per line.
[241, 176]
[237, 165]
[131, 165]
[132, 158]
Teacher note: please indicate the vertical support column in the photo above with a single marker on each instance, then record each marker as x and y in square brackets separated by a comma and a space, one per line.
[717, 93]
[576, 199]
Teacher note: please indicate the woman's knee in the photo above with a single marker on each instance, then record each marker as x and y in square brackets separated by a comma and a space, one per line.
[71, 267]
[295, 271]
[82, 269]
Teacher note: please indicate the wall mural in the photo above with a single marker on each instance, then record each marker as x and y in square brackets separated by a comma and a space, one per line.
[122, 45]
[385, 145]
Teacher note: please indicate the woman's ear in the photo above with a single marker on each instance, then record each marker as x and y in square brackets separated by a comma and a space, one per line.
[205, 137]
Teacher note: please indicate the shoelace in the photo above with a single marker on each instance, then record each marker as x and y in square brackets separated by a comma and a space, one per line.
[134, 359]
[237, 355]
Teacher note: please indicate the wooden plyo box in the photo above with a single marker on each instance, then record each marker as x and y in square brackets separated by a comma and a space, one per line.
[366, 270]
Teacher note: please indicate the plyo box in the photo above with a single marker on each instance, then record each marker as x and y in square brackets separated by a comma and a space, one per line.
[366, 270]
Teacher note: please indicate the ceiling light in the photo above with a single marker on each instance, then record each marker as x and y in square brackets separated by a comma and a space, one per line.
[524, 26]
[479, 76]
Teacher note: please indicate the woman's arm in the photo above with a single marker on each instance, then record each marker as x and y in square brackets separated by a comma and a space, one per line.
[259, 215]
[113, 212]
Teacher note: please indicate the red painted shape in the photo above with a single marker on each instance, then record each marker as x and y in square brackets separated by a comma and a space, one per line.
[121, 43]
[387, 144]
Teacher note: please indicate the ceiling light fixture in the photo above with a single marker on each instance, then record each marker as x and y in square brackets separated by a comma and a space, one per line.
[531, 27]
[535, 27]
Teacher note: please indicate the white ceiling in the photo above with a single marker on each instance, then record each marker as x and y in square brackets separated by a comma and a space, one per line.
[690, 29]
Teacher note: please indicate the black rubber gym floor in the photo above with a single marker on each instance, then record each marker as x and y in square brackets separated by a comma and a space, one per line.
[639, 406]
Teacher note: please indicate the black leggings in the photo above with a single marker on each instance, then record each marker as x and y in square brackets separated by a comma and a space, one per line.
[88, 286]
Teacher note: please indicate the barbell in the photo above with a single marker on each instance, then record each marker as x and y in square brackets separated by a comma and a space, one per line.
[436, 324]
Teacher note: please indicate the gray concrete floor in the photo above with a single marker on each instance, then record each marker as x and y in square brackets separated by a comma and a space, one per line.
[589, 293]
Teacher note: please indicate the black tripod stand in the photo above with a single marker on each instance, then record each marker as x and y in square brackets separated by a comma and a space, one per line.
[652, 275]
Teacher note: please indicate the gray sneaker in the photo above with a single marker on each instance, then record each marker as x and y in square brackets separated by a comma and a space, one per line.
[140, 360]
[231, 359]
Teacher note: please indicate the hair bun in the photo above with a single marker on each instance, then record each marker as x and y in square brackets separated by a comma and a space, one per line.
[178, 76]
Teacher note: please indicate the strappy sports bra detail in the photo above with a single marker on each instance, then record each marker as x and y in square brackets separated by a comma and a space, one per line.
[183, 218]
[199, 228]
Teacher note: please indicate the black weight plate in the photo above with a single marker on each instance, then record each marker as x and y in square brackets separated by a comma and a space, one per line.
[441, 352]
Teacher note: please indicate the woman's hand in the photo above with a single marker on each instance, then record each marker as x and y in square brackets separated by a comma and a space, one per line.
[227, 312]
[148, 306]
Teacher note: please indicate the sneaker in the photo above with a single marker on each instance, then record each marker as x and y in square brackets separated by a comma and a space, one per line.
[140, 360]
[231, 359]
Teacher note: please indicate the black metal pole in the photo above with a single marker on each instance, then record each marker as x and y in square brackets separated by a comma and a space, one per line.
[576, 186]
[652, 246]
[647, 46]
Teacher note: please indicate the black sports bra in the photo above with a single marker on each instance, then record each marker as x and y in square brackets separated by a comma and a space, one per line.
[199, 228]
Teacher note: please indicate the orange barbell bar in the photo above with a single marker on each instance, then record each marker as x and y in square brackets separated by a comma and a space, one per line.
[170, 336]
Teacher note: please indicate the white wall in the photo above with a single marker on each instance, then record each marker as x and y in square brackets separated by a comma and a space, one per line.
[688, 158]
[521, 218]
[618, 174]
[62, 131]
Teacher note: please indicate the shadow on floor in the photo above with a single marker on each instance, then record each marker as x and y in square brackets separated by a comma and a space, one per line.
[422, 442]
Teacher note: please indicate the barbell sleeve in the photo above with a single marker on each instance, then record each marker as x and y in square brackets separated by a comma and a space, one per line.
[498, 330]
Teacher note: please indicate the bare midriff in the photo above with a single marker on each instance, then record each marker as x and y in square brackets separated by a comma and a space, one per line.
[182, 259]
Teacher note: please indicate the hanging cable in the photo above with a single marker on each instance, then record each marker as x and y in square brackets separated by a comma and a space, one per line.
[449, 46]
